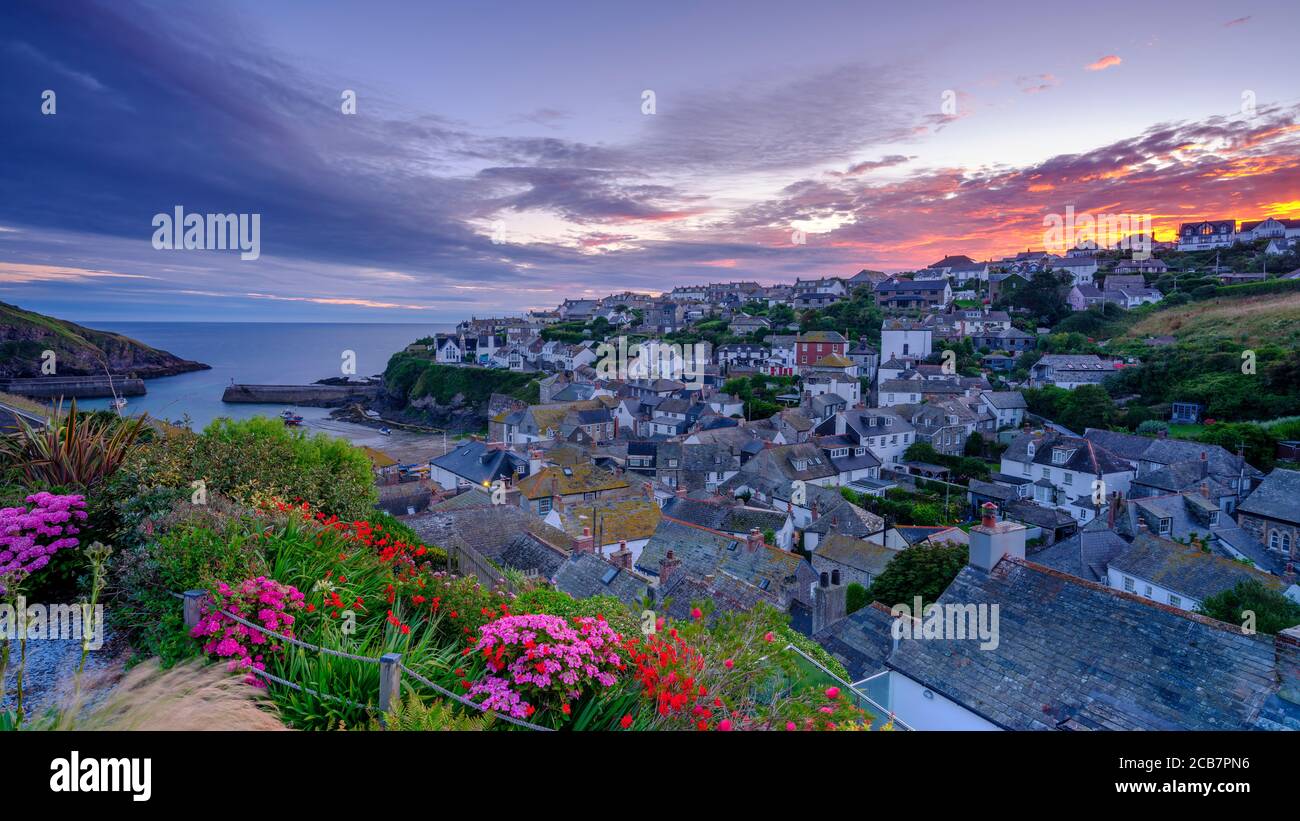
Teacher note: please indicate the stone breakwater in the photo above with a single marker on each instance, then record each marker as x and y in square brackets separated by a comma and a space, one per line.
[73, 387]
[315, 396]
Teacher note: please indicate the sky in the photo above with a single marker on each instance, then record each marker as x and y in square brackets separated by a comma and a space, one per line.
[502, 156]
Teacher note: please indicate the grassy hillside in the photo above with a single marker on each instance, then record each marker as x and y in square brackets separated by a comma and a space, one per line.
[79, 351]
[1253, 320]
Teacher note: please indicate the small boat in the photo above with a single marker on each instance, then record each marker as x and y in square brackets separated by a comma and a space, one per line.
[385, 432]
[287, 414]
[293, 420]
[118, 403]
[372, 414]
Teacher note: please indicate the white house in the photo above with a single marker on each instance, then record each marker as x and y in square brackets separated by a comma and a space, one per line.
[900, 339]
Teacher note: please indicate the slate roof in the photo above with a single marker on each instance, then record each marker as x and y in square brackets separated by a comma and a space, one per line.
[1185, 569]
[630, 519]
[564, 481]
[708, 514]
[705, 552]
[1086, 554]
[585, 575]
[1005, 400]
[1277, 497]
[861, 642]
[859, 554]
[847, 519]
[488, 530]
[1074, 652]
[478, 463]
[1086, 457]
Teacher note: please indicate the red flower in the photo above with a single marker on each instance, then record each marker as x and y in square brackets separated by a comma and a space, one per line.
[769, 636]
[626, 721]
[565, 709]
[832, 692]
[697, 613]
[725, 725]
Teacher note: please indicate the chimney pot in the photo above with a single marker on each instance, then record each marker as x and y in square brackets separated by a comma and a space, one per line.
[825, 579]
[988, 514]
[835, 576]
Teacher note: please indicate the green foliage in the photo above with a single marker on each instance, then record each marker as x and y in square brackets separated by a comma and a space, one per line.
[74, 451]
[1152, 427]
[924, 570]
[415, 377]
[1273, 611]
[856, 597]
[1044, 297]
[414, 714]
[1097, 322]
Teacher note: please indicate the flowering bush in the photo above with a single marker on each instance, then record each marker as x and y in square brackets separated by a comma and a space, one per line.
[28, 538]
[261, 601]
[543, 662]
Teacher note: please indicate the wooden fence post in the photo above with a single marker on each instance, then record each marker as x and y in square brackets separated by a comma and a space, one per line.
[390, 680]
[192, 600]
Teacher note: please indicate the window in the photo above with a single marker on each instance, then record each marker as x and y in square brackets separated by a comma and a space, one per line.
[1214, 518]
[1149, 592]
[1047, 472]
[1274, 540]
[1286, 541]
[1068, 477]
[1129, 586]
[672, 463]
[1175, 601]
[544, 505]
[1166, 524]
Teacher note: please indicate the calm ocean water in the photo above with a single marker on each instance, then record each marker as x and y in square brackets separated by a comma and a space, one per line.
[255, 352]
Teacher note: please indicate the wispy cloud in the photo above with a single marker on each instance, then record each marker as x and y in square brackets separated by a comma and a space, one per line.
[1104, 63]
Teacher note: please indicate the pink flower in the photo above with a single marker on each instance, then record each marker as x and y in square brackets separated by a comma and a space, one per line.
[725, 725]
[769, 636]
[790, 725]
[832, 692]
[697, 613]
[728, 664]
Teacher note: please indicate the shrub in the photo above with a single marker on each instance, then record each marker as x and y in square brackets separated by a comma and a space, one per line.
[73, 450]
[262, 601]
[1273, 611]
[856, 598]
[29, 537]
[1151, 427]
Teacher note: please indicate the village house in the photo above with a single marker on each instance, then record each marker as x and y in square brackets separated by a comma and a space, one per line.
[911, 295]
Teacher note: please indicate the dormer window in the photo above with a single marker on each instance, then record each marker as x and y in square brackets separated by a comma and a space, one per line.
[1061, 455]
[1166, 524]
[1030, 451]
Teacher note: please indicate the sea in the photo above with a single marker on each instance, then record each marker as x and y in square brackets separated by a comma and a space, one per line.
[264, 353]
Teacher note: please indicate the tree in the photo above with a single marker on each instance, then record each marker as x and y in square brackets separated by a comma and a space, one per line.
[1087, 406]
[1273, 611]
[855, 598]
[925, 571]
[974, 445]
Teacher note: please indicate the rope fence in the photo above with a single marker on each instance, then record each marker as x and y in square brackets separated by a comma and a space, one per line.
[390, 666]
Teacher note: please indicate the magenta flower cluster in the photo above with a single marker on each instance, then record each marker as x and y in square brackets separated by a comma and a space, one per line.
[260, 601]
[534, 661]
[28, 538]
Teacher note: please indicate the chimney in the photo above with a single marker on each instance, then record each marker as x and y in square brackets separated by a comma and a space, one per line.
[991, 539]
[534, 462]
[647, 492]
[1111, 510]
[623, 556]
[681, 492]
[1286, 648]
[829, 600]
[1205, 489]
[816, 509]
[668, 565]
[586, 543]
[754, 540]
